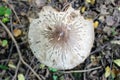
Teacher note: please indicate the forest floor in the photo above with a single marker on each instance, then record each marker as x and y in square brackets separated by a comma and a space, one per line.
[17, 61]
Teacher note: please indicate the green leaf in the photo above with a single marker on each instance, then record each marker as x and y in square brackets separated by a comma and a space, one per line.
[55, 77]
[2, 10]
[4, 20]
[8, 12]
[4, 43]
[117, 62]
[3, 67]
[21, 77]
[53, 69]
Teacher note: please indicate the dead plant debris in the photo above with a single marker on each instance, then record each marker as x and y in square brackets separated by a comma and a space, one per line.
[102, 64]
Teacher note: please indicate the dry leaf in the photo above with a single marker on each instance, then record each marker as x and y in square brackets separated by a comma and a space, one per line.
[107, 30]
[113, 73]
[90, 1]
[109, 20]
[116, 42]
[96, 23]
[103, 9]
[17, 32]
[11, 65]
[107, 71]
[83, 9]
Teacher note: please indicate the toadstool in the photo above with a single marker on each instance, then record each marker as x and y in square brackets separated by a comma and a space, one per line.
[61, 40]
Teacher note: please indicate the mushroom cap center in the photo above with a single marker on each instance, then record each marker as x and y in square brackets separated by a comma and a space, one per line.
[60, 34]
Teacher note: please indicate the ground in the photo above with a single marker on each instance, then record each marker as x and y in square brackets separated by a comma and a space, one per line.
[103, 62]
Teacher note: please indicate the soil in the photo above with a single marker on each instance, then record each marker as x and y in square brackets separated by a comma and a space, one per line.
[105, 50]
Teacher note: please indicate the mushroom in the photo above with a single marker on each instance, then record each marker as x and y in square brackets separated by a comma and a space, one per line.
[61, 40]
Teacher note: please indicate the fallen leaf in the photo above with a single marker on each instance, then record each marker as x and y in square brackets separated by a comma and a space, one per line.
[17, 32]
[113, 31]
[11, 65]
[42, 66]
[52, 69]
[107, 30]
[103, 10]
[83, 9]
[119, 8]
[21, 77]
[8, 12]
[96, 23]
[3, 67]
[90, 1]
[2, 10]
[4, 43]
[55, 77]
[113, 73]
[5, 19]
[117, 62]
[116, 42]
[102, 18]
[109, 20]
[107, 71]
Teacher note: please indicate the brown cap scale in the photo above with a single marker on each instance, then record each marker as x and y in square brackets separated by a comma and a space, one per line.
[61, 40]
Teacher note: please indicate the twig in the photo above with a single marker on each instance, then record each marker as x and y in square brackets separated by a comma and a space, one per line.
[80, 71]
[18, 65]
[27, 71]
[6, 60]
[100, 48]
[10, 52]
[6, 1]
[18, 50]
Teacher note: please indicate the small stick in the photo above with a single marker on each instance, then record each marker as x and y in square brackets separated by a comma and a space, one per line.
[18, 50]
[16, 72]
[80, 71]
[100, 48]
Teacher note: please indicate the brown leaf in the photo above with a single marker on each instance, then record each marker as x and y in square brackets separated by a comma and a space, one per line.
[109, 20]
[17, 32]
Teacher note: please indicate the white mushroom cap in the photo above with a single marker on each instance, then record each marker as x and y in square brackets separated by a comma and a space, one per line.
[61, 40]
